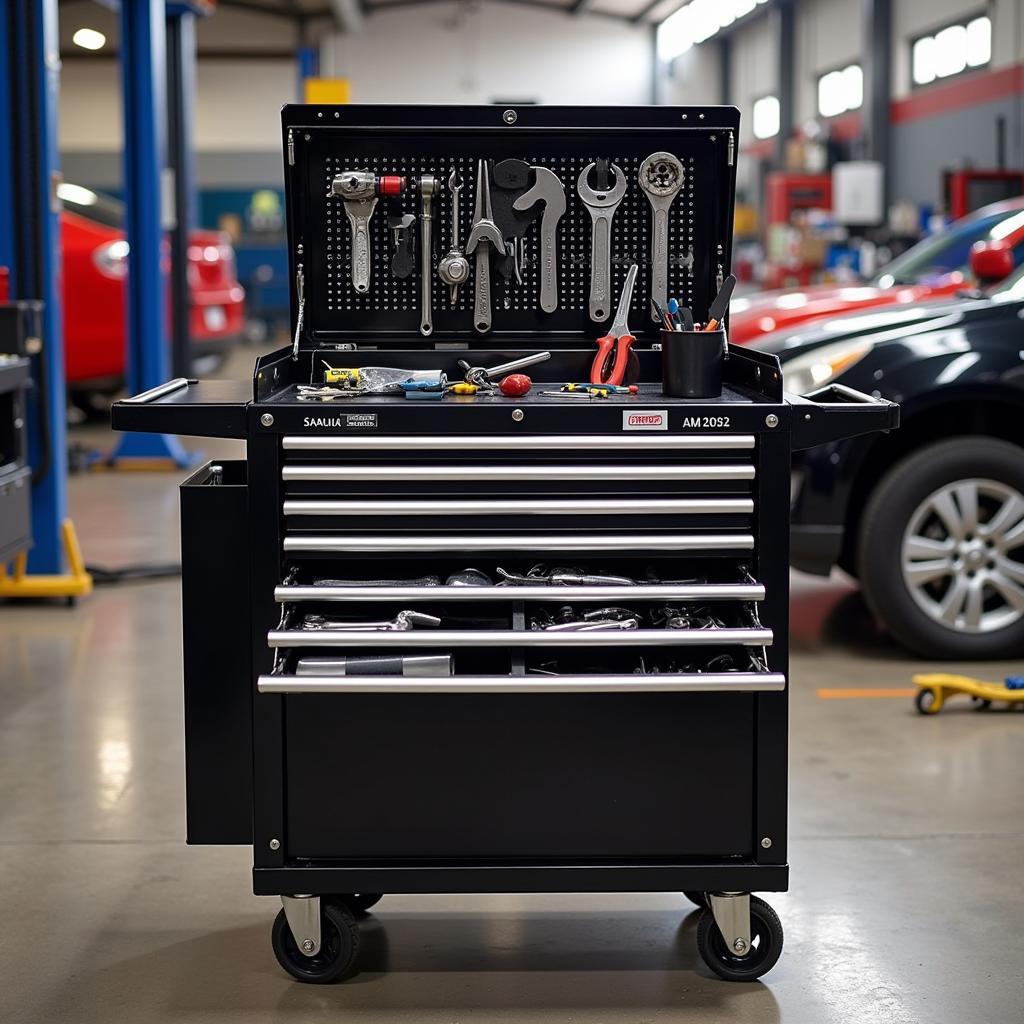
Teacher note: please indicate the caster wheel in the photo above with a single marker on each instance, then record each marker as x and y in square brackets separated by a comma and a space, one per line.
[981, 704]
[339, 945]
[360, 902]
[700, 899]
[765, 944]
[925, 702]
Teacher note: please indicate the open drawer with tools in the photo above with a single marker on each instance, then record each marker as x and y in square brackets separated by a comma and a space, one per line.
[495, 626]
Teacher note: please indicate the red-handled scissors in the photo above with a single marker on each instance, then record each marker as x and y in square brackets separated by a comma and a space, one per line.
[613, 349]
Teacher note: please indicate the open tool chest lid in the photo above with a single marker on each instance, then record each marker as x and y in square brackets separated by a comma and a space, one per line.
[326, 145]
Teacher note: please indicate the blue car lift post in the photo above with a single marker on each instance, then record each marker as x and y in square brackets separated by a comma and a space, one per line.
[144, 93]
[30, 249]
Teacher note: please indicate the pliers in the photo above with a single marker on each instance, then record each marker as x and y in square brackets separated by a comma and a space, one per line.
[613, 349]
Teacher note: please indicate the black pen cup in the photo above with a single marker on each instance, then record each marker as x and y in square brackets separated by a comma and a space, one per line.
[691, 363]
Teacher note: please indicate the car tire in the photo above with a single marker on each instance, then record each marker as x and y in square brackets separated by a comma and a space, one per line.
[909, 532]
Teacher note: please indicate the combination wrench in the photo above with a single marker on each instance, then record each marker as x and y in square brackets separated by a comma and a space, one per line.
[484, 233]
[661, 177]
[602, 207]
[359, 190]
[454, 267]
[428, 185]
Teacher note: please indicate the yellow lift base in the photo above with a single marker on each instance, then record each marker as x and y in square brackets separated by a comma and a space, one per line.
[75, 583]
[935, 689]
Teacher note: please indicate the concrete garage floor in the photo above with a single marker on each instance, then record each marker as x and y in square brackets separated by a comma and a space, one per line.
[907, 835]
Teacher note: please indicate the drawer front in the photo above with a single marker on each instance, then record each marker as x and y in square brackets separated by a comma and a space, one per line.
[555, 776]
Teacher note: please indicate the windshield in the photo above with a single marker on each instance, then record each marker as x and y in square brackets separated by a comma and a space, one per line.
[94, 205]
[949, 250]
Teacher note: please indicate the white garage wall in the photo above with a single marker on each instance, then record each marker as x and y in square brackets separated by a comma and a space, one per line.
[829, 35]
[453, 53]
[753, 66]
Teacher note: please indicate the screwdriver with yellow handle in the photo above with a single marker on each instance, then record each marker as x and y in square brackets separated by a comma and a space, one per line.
[611, 389]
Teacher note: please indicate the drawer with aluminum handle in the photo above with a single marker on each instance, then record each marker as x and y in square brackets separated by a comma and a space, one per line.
[697, 682]
[475, 543]
[538, 442]
[421, 638]
[353, 472]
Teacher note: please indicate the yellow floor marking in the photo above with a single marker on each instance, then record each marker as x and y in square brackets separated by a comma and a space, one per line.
[867, 694]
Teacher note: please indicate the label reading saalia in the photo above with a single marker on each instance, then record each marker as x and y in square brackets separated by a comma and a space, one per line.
[650, 419]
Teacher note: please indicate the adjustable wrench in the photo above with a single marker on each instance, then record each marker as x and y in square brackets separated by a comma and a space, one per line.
[602, 207]
[360, 190]
[483, 233]
[454, 268]
[547, 189]
[661, 177]
[428, 185]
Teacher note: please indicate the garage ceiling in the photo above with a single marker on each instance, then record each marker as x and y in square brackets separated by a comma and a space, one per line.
[348, 12]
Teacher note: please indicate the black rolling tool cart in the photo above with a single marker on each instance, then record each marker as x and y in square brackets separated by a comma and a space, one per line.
[438, 639]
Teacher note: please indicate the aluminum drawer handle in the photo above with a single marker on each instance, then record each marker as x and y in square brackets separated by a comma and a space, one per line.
[403, 474]
[675, 442]
[544, 595]
[499, 507]
[525, 638]
[361, 544]
[707, 682]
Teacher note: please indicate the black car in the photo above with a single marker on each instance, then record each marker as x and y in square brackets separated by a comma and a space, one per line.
[930, 518]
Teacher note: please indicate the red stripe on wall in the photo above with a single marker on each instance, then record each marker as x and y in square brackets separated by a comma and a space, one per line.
[964, 91]
[758, 150]
[845, 127]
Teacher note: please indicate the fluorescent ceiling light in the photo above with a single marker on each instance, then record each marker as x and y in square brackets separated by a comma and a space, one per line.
[697, 21]
[89, 39]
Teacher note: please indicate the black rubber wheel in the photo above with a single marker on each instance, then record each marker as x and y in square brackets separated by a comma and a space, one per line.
[698, 898]
[924, 701]
[981, 704]
[765, 944]
[360, 902]
[339, 946]
[950, 600]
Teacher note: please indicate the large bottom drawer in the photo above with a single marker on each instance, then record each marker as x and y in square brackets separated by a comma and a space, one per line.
[591, 777]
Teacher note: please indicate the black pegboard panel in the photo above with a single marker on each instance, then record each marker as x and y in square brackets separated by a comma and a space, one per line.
[699, 230]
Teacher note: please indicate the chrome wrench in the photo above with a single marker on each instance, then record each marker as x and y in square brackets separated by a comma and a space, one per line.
[454, 267]
[428, 186]
[661, 177]
[484, 233]
[602, 207]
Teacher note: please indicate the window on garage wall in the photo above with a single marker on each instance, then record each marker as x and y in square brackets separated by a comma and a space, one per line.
[951, 51]
[840, 91]
[766, 117]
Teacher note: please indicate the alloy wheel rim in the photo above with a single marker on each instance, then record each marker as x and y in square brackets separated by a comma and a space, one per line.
[962, 556]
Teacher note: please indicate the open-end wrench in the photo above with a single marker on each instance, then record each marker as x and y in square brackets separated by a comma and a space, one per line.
[359, 190]
[454, 267]
[484, 233]
[428, 185]
[661, 177]
[547, 189]
[602, 207]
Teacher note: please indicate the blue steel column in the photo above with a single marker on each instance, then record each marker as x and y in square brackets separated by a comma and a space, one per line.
[144, 93]
[181, 99]
[308, 60]
[30, 247]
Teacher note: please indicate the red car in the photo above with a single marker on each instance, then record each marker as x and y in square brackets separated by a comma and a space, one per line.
[983, 247]
[95, 266]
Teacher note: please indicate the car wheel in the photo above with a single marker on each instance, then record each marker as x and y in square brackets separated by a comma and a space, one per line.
[941, 549]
